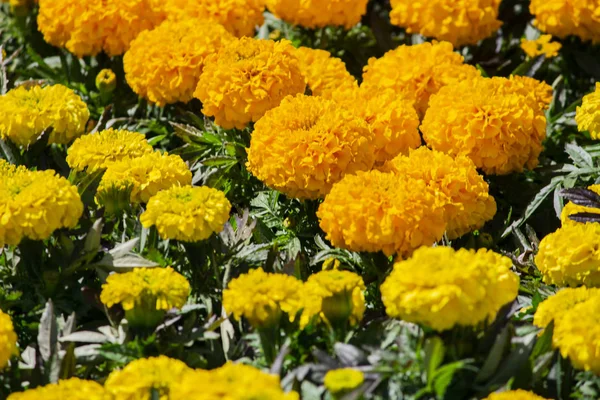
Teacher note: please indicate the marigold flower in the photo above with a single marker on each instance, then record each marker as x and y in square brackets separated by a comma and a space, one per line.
[563, 18]
[8, 340]
[541, 46]
[190, 214]
[588, 114]
[377, 211]
[86, 28]
[96, 151]
[570, 256]
[417, 72]
[319, 13]
[468, 204]
[164, 65]
[324, 73]
[558, 305]
[246, 78]
[441, 287]
[343, 380]
[305, 145]
[106, 81]
[139, 377]
[572, 208]
[26, 112]
[72, 389]
[515, 395]
[459, 22]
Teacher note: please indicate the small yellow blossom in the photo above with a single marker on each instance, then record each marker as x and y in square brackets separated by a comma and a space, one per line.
[8, 340]
[588, 114]
[343, 380]
[106, 81]
[541, 46]
[72, 389]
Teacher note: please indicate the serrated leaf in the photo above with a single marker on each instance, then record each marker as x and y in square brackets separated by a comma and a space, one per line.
[580, 157]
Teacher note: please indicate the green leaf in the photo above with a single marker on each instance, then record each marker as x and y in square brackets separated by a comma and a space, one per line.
[495, 356]
[443, 377]
[434, 356]
[580, 157]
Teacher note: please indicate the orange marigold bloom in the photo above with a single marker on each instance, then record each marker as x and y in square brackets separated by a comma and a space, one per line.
[324, 73]
[319, 13]
[563, 18]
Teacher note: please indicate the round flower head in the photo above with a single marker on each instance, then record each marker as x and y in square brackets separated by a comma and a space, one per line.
[106, 81]
[459, 22]
[96, 151]
[138, 378]
[416, 72]
[33, 204]
[307, 144]
[563, 18]
[468, 204]
[72, 389]
[246, 78]
[86, 28]
[261, 297]
[560, 304]
[343, 380]
[324, 73]
[26, 112]
[572, 208]
[164, 65]
[588, 114]
[144, 176]
[570, 256]
[541, 46]
[189, 214]
[8, 340]
[335, 296]
[319, 13]
[515, 395]
[376, 211]
[497, 125]
[442, 288]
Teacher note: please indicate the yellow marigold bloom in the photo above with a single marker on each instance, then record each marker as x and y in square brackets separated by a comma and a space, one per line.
[246, 78]
[515, 395]
[106, 81]
[557, 306]
[164, 65]
[468, 204]
[570, 256]
[459, 22]
[319, 13]
[262, 297]
[441, 288]
[307, 144]
[97, 151]
[86, 28]
[538, 93]
[8, 340]
[588, 114]
[336, 296]
[239, 17]
[190, 214]
[146, 175]
[26, 112]
[33, 204]
[497, 125]
[541, 46]
[563, 18]
[324, 73]
[72, 389]
[572, 208]
[417, 72]
[139, 377]
[343, 380]
[376, 211]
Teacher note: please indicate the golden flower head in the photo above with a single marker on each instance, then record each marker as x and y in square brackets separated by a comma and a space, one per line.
[498, 125]
[557, 306]
[376, 211]
[459, 22]
[246, 78]
[8, 340]
[262, 297]
[86, 28]
[541, 46]
[33, 204]
[468, 204]
[106, 81]
[324, 73]
[72, 389]
[164, 65]
[416, 72]
[145, 175]
[441, 288]
[307, 144]
[343, 380]
[187, 213]
[588, 114]
[319, 13]
[563, 18]
[26, 112]
[571, 256]
[96, 151]
[572, 208]
[514, 395]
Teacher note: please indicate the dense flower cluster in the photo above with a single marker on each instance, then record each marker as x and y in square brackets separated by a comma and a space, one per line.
[441, 287]
[164, 65]
[26, 112]
[376, 211]
[324, 73]
[572, 208]
[86, 28]
[563, 18]
[468, 204]
[8, 340]
[588, 114]
[571, 256]
[514, 395]
[459, 22]
[33, 204]
[262, 297]
[343, 380]
[307, 144]
[72, 389]
[246, 78]
[319, 13]
[541, 46]
[557, 306]
[97, 151]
